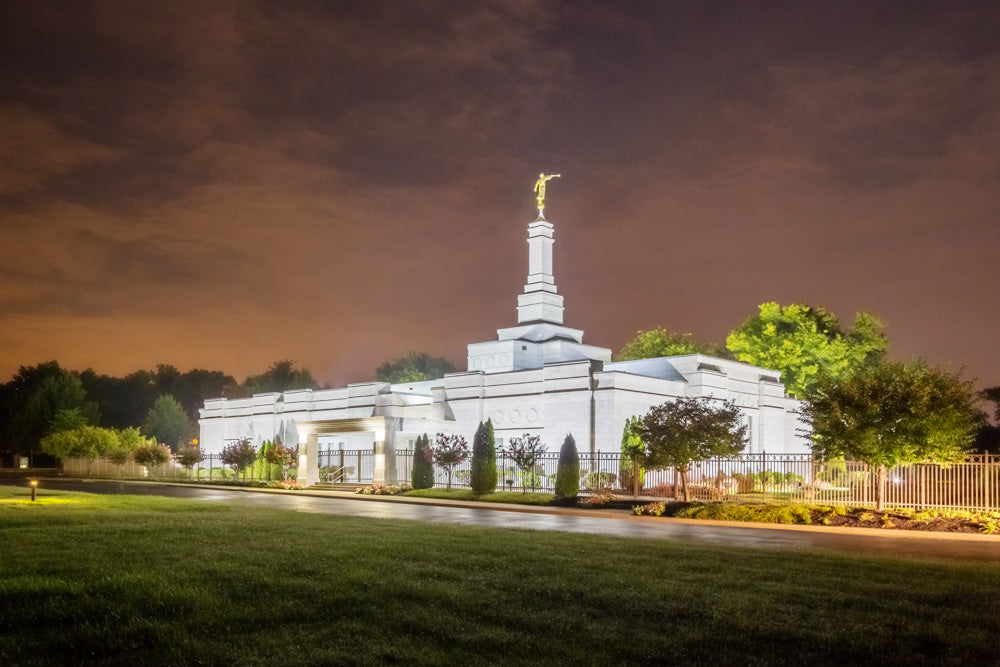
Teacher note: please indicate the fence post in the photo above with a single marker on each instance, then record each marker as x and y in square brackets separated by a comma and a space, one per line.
[763, 474]
[988, 474]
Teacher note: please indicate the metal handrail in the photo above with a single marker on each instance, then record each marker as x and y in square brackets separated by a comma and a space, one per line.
[335, 476]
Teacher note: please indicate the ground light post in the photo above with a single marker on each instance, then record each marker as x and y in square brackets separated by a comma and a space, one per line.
[34, 488]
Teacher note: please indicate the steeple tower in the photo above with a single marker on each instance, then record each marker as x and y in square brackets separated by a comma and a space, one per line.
[540, 301]
[539, 338]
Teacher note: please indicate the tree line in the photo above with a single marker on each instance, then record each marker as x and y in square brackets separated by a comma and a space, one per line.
[162, 404]
[842, 371]
[857, 403]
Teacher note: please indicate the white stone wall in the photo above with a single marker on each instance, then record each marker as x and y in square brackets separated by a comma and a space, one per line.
[551, 401]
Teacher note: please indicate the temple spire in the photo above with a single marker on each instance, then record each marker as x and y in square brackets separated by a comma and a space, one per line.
[540, 301]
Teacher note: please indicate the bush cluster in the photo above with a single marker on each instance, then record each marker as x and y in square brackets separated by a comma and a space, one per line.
[383, 490]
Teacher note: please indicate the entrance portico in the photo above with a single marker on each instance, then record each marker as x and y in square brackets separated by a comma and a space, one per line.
[384, 430]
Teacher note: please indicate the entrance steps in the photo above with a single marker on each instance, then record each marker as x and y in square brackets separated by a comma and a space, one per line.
[348, 487]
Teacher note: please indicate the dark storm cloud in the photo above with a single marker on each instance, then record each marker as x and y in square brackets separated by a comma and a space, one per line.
[343, 182]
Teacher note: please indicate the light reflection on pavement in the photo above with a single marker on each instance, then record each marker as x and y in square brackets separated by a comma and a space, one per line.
[737, 536]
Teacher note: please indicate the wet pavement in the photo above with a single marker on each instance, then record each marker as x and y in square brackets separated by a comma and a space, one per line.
[613, 523]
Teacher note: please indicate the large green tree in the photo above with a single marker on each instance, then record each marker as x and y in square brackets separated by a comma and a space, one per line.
[681, 432]
[893, 413]
[34, 397]
[167, 422]
[661, 343]
[414, 367]
[807, 343]
[86, 442]
[124, 401]
[280, 376]
[988, 437]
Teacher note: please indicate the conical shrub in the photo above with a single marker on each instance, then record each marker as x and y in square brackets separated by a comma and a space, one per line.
[422, 473]
[568, 472]
[484, 460]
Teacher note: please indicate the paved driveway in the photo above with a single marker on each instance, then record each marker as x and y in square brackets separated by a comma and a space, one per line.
[621, 524]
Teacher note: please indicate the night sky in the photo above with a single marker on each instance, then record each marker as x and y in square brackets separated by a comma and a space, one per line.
[225, 184]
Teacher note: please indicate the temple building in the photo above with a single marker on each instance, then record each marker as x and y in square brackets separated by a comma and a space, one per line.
[537, 377]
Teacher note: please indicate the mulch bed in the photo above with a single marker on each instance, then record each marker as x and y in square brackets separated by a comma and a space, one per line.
[868, 518]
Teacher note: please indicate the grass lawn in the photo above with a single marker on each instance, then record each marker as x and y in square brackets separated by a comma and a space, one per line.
[146, 580]
[512, 497]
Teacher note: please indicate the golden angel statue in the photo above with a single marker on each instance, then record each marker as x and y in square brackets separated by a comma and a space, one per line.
[540, 189]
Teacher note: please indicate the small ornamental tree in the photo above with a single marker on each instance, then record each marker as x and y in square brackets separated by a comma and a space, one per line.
[449, 451]
[568, 472]
[422, 473]
[239, 456]
[190, 455]
[678, 433]
[893, 413]
[484, 460]
[150, 455]
[525, 452]
[280, 457]
[630, 461]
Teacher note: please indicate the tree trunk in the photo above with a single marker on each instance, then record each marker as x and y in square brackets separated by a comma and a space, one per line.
[684, 486]
[880, 489]
[449, 479]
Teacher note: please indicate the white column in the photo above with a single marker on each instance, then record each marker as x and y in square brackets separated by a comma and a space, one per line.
[309, 461]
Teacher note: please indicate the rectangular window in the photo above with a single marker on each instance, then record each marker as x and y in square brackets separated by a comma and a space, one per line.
[499, 442]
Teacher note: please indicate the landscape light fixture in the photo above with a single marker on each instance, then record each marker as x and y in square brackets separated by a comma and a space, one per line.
[34, 488]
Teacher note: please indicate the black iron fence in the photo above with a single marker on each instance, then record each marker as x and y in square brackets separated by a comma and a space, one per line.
[970, 484]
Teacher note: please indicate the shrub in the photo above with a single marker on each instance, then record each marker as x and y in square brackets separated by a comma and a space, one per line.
[650, 509]
[792, 514]
[383, 490]
[531, 478]
[601, 480]
[568, 472]
[596, 501]
[632, 452]
[269, 463]
[422, 472]
[484, 460]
